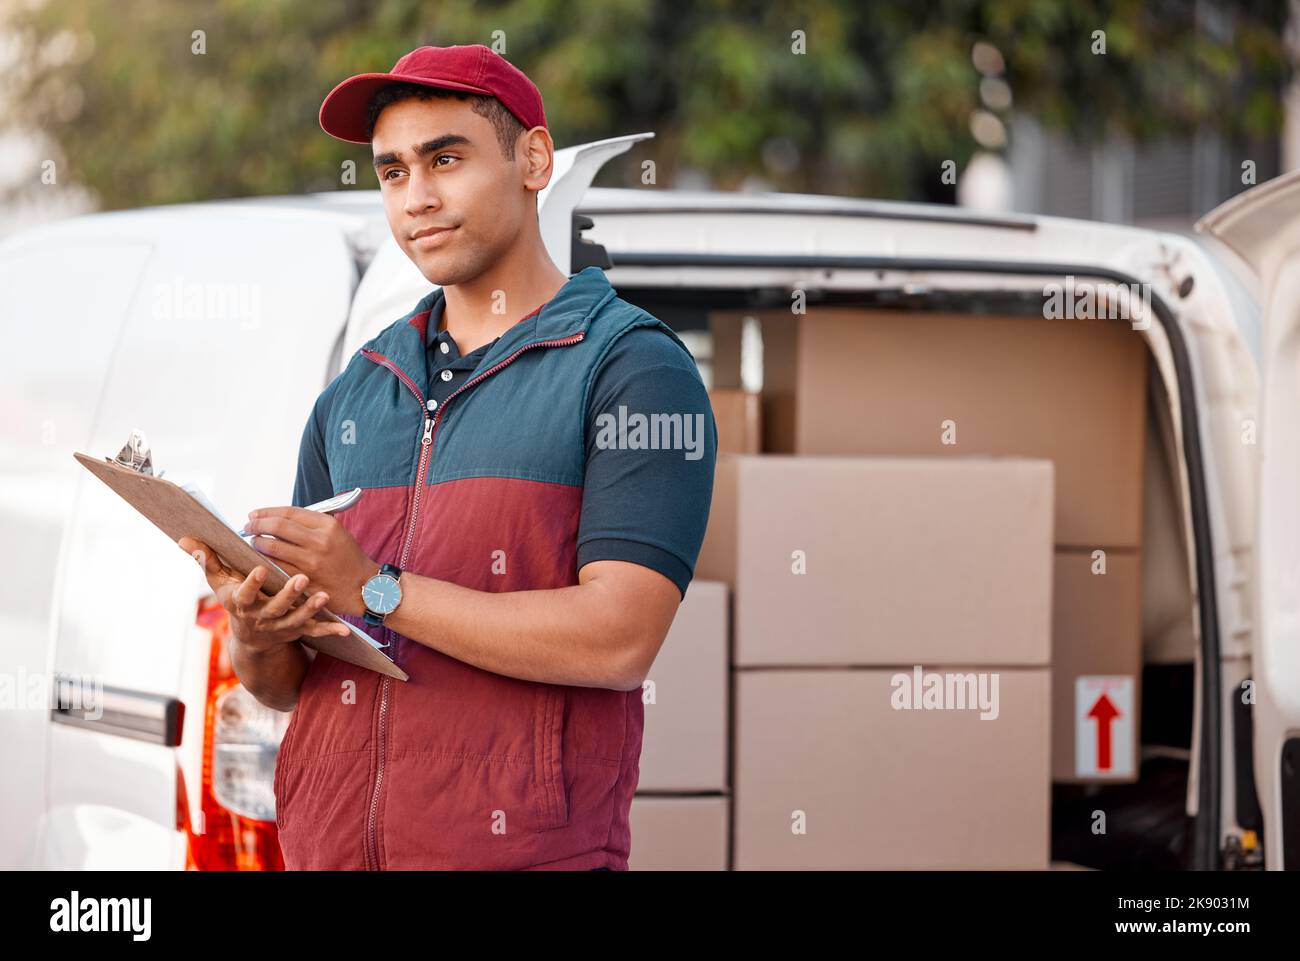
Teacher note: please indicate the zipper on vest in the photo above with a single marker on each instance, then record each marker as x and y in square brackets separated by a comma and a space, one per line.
[426, 449]
[372, 845]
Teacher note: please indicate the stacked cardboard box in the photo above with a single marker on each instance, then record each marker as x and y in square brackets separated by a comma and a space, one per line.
[829, 775]
[862, 382]
[853, 382]
[883, 560]
[1097, 666]
[684, 747]
[680, 813]
[736, 413]
[678, 833]
[892, 643]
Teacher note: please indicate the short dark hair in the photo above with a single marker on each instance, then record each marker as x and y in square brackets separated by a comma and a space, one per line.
[507, 125]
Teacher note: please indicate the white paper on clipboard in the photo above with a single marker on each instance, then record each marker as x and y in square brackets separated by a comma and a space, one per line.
[184, 510]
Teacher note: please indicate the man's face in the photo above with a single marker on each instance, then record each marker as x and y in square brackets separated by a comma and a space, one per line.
[440, 165]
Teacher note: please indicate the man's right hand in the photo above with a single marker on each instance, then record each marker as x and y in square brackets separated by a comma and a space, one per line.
[262, 622]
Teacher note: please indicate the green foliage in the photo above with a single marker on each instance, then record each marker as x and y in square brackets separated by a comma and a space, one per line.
[883, 90]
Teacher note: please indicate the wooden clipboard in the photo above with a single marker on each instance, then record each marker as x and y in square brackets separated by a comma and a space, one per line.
[177, 514]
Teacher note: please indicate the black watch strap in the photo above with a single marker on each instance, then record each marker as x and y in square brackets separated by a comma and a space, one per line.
[377, 620]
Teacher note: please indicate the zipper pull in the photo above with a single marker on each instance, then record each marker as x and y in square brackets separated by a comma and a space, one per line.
[428, 431]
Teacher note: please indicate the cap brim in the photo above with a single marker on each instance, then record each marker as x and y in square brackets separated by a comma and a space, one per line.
[343, 111]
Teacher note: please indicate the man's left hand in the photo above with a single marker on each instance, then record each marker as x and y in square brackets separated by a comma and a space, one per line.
[319, 546]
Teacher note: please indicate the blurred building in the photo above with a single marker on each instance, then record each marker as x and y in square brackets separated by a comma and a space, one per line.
[1165, 185]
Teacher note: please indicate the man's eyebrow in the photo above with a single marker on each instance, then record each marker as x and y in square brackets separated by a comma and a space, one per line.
[424, 149]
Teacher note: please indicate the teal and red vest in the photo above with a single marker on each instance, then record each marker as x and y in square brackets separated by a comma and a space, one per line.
[458, 767]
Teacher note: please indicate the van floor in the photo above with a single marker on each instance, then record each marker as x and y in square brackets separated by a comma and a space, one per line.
[1146, 821]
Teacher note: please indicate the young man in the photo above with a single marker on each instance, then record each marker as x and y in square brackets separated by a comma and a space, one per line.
[521, 551]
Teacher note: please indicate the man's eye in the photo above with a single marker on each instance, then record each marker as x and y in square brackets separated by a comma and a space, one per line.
[443, 156]
[392, 170]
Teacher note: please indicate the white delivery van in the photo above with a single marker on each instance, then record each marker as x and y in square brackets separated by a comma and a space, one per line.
[213, 326]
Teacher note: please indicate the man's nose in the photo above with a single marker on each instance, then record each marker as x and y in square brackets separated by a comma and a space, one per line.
[420, 195]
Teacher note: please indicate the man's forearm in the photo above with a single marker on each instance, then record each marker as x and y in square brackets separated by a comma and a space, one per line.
[568, 635]
[272, 676]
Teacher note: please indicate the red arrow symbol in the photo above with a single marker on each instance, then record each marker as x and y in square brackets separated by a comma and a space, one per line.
[1105, 713]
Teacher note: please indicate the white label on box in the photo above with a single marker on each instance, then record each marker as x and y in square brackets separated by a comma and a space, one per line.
[1103, 726]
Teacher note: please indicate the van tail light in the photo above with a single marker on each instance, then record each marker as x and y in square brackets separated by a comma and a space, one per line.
[241, 738]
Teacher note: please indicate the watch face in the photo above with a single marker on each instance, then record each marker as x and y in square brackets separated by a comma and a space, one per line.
[381, 594]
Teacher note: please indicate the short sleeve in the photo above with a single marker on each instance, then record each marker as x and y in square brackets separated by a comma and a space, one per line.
[312, 482]
[651, 444]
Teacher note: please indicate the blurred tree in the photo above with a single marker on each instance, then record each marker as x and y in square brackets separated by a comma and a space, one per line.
[828, 96]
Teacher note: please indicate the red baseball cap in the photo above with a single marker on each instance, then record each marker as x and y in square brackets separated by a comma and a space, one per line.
[471, 67]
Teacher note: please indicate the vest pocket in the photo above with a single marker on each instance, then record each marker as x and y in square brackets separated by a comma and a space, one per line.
[551, 798]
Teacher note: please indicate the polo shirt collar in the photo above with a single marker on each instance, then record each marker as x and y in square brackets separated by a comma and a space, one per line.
[566, 314]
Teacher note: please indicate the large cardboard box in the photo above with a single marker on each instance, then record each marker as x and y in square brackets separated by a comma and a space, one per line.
[678, 833]
[684, 747]
[877, 382]
[1096, 653]
[736, 413]
[830, 775]
[884, 561]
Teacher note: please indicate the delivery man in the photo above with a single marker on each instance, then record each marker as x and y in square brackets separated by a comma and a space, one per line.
[536, 456]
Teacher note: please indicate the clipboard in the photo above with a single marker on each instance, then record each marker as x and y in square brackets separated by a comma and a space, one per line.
[182, 511]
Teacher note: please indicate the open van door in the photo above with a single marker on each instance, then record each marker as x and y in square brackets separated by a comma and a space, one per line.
[1262, 226]
[393, 284]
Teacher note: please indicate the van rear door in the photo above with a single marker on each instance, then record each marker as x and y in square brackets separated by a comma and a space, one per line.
[216, 345]
[1262, 226]
[65, 301]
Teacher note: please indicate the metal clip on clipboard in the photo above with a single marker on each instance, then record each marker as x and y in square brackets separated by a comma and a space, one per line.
[135, 455]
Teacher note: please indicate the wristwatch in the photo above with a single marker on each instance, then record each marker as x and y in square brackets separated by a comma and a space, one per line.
[381, 594]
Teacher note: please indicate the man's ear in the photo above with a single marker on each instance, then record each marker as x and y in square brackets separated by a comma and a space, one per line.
[539, 148]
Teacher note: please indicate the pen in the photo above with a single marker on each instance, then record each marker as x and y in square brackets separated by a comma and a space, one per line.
[331, 505]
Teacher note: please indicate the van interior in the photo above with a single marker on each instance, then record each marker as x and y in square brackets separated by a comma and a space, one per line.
[1147, 821]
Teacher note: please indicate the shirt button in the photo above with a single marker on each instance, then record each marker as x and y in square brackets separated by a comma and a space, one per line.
[446, 375]
[442, 346]
[433, 403]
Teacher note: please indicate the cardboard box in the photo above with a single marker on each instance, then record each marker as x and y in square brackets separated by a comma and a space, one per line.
[684, 747]
[726, 330]
[913, 560]
[829, 775]
[888, 383]
[776, 401]
[678, 833]
[1096, 633]
[739, 422]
